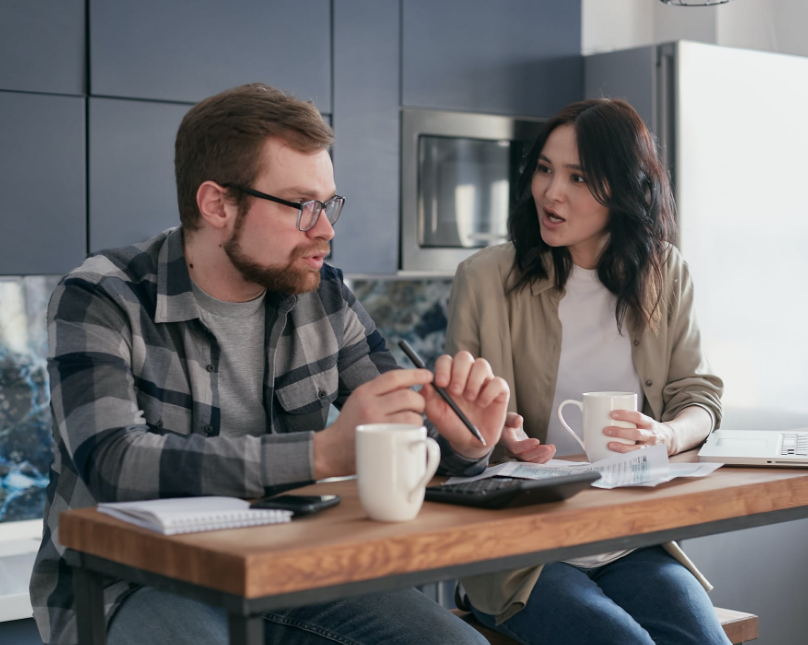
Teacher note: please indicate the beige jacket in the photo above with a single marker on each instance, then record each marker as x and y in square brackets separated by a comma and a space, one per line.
[520, 336]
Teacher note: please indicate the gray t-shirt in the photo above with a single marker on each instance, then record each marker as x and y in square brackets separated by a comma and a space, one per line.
[239, 328]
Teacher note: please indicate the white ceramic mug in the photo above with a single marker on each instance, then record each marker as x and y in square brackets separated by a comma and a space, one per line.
[595, 408]
[394, 463]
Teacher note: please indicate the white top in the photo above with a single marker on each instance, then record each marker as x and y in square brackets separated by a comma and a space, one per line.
[595, 357]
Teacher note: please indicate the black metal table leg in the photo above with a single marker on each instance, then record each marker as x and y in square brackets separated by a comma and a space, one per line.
[88, 588]
[246, 631]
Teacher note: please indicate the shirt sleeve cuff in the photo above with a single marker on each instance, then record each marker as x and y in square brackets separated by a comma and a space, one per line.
[454, 464]
[288, 458]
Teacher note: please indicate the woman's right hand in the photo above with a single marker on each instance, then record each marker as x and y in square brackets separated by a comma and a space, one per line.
[519, 446]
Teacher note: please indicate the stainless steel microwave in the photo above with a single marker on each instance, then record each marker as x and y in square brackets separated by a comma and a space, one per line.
[458, 178]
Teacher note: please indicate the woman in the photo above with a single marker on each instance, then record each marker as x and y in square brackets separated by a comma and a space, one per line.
[591, 256]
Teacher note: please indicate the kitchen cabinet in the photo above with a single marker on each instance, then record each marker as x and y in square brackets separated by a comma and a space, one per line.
[43, 183]
[185, 50]
[132, 189]
[519, 57]
[134, 68]
[366, 125]
[630, 74]
[42, 46]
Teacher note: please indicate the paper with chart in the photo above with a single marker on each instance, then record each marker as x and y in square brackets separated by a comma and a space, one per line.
[647, 467]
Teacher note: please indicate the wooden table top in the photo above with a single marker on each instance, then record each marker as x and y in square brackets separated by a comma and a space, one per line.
[341, 545]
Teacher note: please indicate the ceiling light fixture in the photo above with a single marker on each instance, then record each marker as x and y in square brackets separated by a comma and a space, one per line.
[694, 3]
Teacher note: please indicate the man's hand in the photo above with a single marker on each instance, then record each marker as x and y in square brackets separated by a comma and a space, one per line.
[519, 446]
[482, 396]
[385, 399]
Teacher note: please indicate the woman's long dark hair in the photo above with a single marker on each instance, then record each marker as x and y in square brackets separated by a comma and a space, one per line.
[623, 171]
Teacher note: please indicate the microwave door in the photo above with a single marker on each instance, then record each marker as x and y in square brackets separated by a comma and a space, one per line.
[464, 192]
[458, 175]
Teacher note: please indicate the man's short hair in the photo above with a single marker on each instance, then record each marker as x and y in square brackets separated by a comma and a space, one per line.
[221, 138]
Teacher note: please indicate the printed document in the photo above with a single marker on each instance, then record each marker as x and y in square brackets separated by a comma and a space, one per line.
[646, 467]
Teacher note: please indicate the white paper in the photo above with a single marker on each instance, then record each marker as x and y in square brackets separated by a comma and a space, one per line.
[648, 467]
[488, 472]
[697, 469]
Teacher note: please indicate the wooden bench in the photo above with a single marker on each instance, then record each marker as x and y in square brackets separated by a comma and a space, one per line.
[738, 626]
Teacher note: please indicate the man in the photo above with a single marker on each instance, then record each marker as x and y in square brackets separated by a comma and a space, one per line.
[204, 360]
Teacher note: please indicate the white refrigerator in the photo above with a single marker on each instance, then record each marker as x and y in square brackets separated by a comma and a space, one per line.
[733, 125]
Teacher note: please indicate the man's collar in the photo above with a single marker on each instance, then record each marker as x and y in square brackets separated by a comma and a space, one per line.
[175, 296]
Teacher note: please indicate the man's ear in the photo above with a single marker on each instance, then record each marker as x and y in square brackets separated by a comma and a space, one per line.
[213, 205]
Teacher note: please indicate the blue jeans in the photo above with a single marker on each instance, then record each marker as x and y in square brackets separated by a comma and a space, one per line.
[397, 618]
[644, 598]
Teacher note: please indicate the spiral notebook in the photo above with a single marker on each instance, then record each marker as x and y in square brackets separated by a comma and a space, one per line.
[192, 514]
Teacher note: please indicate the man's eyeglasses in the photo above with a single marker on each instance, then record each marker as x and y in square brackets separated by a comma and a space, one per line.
[307, 212]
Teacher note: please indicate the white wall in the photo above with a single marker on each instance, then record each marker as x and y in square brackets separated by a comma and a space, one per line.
[616, 24]
[620, 24]
[769, 25]
[685, 23]
[749, 24]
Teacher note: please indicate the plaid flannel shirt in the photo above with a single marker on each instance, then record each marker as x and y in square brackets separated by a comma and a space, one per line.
[135, 403]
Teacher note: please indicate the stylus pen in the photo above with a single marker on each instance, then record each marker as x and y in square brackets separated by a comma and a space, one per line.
[418, 362]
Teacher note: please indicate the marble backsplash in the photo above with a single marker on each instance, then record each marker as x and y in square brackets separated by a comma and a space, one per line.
[25, 421]
[403, 309]
[411, 310]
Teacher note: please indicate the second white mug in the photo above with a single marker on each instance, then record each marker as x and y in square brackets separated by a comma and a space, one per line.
[596, 407]
[394, 463]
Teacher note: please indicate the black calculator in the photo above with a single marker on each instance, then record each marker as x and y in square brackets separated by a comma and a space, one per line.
[509, 492]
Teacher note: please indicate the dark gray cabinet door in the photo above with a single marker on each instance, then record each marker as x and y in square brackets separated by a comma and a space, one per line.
[630, 74]
[185, 50]
[43, 216]
[132, 190]
[518, 57]
[366, 125]
[42, 46]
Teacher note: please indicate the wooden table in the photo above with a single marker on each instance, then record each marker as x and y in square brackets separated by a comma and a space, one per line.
[341, 553]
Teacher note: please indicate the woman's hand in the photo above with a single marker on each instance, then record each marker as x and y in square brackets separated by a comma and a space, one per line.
[519, 446]
[647, 433]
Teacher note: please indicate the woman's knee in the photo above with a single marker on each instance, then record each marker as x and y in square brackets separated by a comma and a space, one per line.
[593, 625]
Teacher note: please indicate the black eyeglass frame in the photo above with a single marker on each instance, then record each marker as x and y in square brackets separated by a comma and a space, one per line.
[299, 206]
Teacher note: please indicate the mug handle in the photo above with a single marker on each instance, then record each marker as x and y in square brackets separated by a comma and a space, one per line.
[564, 423]
[432, 463]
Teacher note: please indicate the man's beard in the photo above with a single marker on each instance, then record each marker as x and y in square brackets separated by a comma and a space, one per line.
[290, 279]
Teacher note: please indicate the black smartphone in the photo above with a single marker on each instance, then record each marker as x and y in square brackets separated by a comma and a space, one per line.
[299, 504]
